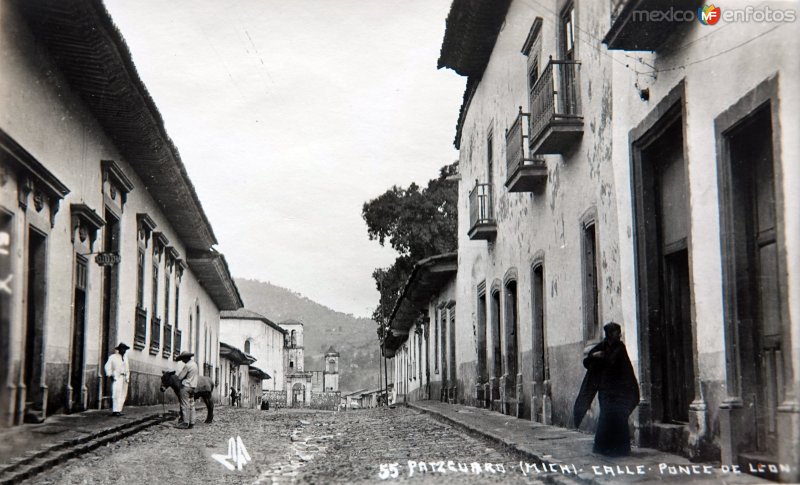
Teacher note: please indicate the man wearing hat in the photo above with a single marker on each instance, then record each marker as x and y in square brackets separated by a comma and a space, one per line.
[117, 369]
[188, 376]
[609, 374]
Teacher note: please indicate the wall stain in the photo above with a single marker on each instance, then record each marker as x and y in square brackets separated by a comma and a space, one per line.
[555, 185]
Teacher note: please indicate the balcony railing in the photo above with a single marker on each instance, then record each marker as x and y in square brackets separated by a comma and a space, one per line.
[525, 173]
[166, 350]
[155, 335]
[556, 119]
[176, 344]
[140, 329]
[481, 214]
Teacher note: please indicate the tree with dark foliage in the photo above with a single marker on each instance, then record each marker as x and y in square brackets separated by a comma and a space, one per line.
[418, 223]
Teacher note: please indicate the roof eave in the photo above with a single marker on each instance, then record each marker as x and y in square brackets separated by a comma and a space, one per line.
[94, 58]
[211, 270]
[428, 276]
[472, 27]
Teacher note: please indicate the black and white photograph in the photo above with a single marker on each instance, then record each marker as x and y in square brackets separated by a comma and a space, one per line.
[384, 241]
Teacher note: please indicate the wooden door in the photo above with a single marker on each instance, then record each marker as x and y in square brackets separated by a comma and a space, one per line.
[541, 369]
[758, 303]
[111, 243]
[35, 322]
[6, 293]
[481, 373]
[78, 357]
[665, 283]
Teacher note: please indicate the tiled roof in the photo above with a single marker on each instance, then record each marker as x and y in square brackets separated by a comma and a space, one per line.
[428, 277]
[242, 313]
[245, 314]
[258, 373]
[93, 57]
[471, 31]
[211, 270]
[235, 355]
[470, 34]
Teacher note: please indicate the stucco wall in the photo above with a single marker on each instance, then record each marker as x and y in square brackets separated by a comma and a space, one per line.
[41, 113]
[266, 345]
[546, 223]
[415, 388]
[716, 71]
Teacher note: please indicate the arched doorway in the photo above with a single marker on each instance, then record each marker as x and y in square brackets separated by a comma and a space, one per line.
[298, 395]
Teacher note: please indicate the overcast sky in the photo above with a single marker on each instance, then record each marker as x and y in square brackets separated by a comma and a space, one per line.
[289, 115]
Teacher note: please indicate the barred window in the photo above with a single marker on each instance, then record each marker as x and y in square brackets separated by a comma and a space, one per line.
[140, 279]
[155, 291]
[166, 297]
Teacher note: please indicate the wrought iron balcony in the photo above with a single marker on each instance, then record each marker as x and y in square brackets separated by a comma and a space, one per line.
[556, 119]
[645, 25]
[140, 329]
[166, 350]
[176, 344]
[155, 335]
[525, 173]
[481, 215]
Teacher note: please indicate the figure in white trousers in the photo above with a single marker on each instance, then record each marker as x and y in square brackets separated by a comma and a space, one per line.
[117, 369]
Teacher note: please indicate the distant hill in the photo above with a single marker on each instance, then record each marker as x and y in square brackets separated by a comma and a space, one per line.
[353, 337]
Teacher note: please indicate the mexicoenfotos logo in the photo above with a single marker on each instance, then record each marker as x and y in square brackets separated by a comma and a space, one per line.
[709, 15]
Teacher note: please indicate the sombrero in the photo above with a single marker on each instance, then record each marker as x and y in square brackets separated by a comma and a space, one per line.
[185, 355]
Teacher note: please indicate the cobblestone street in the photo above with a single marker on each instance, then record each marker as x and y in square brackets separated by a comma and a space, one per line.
[298, 446]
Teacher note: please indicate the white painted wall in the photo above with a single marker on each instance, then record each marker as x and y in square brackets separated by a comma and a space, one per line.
[266, 345]
[548, 222]
[44, 116]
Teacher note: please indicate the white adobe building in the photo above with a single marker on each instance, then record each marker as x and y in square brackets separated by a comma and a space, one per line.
[258, 336]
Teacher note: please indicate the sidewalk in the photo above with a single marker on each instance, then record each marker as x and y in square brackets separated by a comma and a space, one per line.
[561, 453]
[23, 440]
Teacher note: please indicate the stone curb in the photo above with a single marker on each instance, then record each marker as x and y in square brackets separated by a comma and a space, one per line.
[36, 462]
[584, 478]
[509, 445]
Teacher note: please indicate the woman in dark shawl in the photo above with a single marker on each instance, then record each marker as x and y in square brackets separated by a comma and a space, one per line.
[610, 375]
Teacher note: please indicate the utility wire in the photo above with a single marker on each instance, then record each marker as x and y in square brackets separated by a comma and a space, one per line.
[581, 38]
[671, 50]
[726, 51]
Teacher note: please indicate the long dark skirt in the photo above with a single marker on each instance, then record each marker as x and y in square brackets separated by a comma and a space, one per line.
[613, 436]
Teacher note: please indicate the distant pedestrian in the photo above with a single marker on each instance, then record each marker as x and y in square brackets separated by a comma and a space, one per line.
[118, 370]
[233, 397]
[188, 377]
[609, 374]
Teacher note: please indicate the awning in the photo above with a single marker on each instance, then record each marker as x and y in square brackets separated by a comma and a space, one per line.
[235, 355]
[258, 373]
[427, 278]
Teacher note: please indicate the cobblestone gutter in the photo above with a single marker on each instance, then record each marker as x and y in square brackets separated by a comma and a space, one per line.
[50, 455]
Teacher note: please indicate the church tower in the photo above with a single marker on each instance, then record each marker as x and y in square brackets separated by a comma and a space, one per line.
[330, 376]
[294, 355]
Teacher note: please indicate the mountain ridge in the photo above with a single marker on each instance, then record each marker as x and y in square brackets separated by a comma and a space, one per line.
[353, 337]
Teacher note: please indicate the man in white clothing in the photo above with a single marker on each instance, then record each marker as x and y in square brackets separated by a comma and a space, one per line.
[117, 369]
[188, 376]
